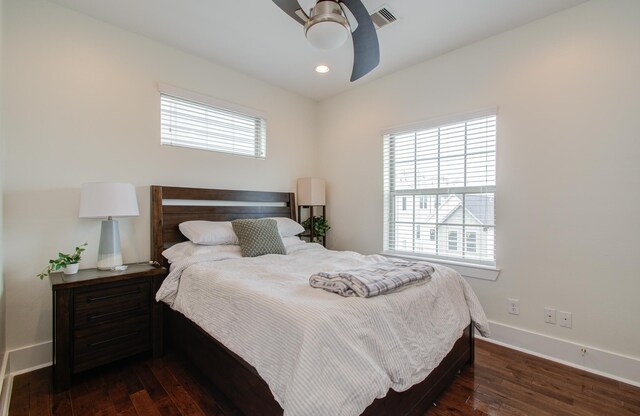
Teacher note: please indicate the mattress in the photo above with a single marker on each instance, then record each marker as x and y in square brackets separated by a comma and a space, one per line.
[320, 353]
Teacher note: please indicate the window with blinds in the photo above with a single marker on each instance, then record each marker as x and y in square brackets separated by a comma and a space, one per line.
[200, 122]
[442, 178]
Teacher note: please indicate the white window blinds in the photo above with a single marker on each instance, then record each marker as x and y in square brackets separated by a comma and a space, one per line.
[200, 122]
[442, 178]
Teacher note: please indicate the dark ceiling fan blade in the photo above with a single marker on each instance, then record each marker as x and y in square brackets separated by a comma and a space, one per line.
[290, 7]
[366, 50]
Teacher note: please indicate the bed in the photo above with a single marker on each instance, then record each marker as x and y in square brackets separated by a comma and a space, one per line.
[232, 374]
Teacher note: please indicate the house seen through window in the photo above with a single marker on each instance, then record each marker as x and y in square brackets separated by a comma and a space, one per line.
[441, 178]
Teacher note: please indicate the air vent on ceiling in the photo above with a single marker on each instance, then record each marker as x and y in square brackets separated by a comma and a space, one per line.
[383, 17]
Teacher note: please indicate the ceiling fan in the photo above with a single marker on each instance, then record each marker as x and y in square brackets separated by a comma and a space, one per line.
[327, 27]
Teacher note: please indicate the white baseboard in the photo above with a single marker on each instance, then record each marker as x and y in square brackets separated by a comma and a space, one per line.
[6, 385]
[30, 358]
[20, 361]
[605, 363]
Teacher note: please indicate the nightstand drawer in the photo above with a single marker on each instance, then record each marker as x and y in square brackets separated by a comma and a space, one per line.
[108, 342]
[111, 302]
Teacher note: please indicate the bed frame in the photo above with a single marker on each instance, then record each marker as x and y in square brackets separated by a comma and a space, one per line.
[238, 380]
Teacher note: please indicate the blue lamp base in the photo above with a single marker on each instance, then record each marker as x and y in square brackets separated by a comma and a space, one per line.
[109, 253]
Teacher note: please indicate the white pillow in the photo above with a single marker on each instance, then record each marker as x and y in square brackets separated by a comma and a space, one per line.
[288, 227]
[183, 250]
[209, 233]
[292, 241]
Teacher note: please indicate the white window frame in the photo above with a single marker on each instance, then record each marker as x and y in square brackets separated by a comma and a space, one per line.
[485, 270]
[229, 140]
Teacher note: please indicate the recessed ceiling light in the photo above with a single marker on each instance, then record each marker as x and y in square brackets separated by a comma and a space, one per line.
[322, 69]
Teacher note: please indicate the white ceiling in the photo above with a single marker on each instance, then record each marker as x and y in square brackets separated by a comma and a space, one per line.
[255, 37]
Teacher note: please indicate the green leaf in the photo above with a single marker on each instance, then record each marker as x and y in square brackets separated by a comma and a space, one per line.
[63, 260]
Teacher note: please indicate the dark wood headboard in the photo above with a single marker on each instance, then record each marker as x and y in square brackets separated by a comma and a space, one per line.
[165, 218]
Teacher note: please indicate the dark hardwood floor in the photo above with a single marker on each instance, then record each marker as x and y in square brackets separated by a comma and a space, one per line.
[501, 382]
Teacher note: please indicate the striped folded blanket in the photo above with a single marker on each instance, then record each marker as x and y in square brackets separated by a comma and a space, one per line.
[376, 279]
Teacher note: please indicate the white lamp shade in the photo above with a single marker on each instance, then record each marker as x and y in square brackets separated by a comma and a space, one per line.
[108, 199]
[311, 191]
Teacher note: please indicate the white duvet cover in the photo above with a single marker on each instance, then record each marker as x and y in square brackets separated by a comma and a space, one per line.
[320, 353]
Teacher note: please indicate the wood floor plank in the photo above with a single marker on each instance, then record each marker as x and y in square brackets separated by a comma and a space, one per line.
[151, 385]
[19, 404]
[118, 392]
[39, 398]
[130, 412]
[184, 402]
[90, 395]
[120, 398]
[167, 407]
[144, 405]
[203, 397]
[61, 404]
[501, 382]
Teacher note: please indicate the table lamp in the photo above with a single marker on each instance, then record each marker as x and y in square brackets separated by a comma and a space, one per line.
[311, 192]
[108, 200]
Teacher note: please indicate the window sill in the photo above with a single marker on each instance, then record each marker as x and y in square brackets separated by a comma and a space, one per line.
[476, 271]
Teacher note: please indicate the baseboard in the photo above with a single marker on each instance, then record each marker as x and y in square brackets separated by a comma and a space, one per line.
[605, 363]
[30, 358]
[20, 361]
[6, 385]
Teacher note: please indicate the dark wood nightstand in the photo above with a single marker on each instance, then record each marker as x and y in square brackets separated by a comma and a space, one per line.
[103, 316]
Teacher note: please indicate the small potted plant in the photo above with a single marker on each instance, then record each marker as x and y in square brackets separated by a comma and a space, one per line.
[320, 227]
[69, 263]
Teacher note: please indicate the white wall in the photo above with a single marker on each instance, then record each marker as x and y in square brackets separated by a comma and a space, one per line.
[568, 92]
[83, 107]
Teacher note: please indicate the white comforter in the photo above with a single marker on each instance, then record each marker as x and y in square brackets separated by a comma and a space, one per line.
[322, 354]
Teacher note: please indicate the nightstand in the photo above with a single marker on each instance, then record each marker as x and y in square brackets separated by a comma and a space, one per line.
[103, 316]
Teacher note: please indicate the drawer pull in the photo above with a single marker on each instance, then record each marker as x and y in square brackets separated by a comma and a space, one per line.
[91, 317]
[106, 341]
[116, 295]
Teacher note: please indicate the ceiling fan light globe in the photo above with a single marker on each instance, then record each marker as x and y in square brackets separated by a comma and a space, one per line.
[327, 35]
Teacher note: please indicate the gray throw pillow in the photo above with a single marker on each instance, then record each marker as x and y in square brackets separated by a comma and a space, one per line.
[258, 237]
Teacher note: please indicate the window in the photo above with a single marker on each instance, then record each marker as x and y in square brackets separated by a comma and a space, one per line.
[418, 231]
[471, 242]
[200, 122]
[453, 241]
[449, 170]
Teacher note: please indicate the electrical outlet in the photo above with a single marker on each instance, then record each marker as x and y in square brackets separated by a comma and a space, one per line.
[565, 319]
[513, 306]
[550, 315]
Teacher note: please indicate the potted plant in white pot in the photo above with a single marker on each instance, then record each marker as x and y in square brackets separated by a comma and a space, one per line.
[69, 263]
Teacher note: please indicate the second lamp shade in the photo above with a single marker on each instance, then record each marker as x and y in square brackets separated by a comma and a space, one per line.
[311, 191]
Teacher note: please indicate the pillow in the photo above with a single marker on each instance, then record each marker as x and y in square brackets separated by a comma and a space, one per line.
[209, 233]
[180, 251]
[288, 227]
[258, 237]
[292, 241]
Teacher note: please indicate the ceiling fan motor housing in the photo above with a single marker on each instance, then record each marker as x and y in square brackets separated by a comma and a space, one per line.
[327, 27]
